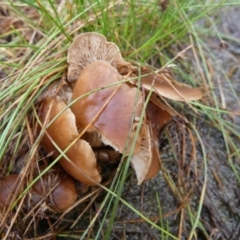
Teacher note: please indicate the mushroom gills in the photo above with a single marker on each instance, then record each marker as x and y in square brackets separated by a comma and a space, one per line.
[146, 163]
[90, 47]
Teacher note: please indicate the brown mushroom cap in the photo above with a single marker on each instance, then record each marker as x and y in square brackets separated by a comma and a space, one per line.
[65, 194]
[90, 47]
[157, 116]
[57, 190]
[8, 186]
[114, 120]
[62, 191]
[82, 165]
[164, 86]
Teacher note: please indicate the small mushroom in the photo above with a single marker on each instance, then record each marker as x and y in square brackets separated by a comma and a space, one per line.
[157, 118]
[82, 165]
[164, 86]
[90, 47]
[58, 191]
[110, 117]
[8, 186]
[155, 163]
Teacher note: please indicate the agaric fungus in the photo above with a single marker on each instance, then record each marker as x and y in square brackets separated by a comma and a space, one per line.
[90, 47]
[58, 192]
[158, 114]
[147, 162]
[158, 117]
[110, 116]
[8, 186]
[83, 164]
[108, 110]
[113, 121]
[95, 65]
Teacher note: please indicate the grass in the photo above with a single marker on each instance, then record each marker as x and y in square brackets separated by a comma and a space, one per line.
[33, 53]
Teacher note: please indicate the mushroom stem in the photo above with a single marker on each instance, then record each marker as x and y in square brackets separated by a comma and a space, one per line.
[106, 154]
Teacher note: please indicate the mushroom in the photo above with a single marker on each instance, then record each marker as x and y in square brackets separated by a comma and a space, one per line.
[90, 47]
[8, 186]
[142, 160]
[158, 116]
[105, 111]
[57, 191]
[83, 164]
[111, 116]
[147, 162]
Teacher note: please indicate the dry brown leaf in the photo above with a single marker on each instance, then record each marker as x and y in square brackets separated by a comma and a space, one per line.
[164, 86]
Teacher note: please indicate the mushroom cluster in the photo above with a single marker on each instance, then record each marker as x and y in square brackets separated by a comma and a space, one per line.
[110, 108]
